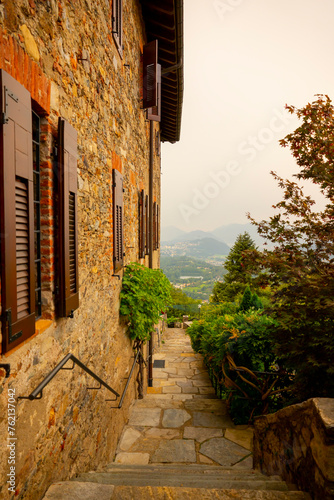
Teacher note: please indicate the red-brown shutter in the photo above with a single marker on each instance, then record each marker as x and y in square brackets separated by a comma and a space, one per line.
[147, 214]
[142, 224]
[154, 113]
[154, 226]
[117, 24]
[150, 82]
[17, 214]
[158, 227]
[118, 219]
[68, 219]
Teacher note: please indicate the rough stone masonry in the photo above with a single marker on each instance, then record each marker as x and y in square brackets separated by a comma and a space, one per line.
[64, 54]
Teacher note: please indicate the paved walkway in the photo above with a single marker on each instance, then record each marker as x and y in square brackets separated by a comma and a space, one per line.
[180, 420]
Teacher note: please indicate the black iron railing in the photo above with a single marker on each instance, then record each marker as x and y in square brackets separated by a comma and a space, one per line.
[38, 392]
[127, 383]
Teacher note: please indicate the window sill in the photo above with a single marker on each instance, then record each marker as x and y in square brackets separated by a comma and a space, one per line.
[42, 324]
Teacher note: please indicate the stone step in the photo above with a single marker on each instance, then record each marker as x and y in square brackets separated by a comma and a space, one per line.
[69, 490]
[184, 469]
[190, 477]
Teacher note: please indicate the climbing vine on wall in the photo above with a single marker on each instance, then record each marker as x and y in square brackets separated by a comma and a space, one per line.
[145, 294]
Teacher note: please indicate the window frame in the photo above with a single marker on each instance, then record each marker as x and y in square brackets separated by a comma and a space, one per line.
[117, 25]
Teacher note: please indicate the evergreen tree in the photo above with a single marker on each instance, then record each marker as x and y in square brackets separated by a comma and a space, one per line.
[246, 302]
[238, 276]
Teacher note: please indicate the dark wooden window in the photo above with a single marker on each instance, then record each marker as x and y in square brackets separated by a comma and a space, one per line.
[142, 224]
[147, 215]
[37, 212]
[118, 220]
[17, 214]
[154, 113]
[157, 227]
[150, 77]
[154, 226]
[67, 219]
[117, 24]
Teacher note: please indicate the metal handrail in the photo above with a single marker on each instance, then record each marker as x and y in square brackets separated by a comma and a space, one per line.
[38, 392]
[127, 383]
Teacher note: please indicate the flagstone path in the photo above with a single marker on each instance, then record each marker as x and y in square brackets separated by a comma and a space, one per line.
[179, 444]
[180, 420]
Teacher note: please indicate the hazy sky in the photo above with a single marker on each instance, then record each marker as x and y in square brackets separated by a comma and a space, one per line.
[243, 61]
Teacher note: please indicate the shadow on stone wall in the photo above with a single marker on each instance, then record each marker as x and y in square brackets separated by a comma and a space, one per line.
[297, 443]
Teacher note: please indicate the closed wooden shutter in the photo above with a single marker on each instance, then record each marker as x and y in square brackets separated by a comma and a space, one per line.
[150, 81]
[147, 215]
[154, 226]
[68, 219]
[142, 224]
[117, 24]
[118, 220]
[158, 227]
[16, 214]
[154, 113]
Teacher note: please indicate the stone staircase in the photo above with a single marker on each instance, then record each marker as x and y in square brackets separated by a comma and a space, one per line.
[179, 444]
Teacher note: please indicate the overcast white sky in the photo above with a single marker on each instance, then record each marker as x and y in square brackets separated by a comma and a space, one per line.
[243, 61]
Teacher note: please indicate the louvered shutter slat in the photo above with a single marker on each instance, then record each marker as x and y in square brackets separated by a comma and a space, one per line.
[118, 220]
[68, 225]
[154, 113]
[150, 81]
[16, 194]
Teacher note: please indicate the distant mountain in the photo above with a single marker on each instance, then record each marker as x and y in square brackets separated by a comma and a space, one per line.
[196, 235]
[226, 234]
[202, 248]
[209, 247]
[230, 232]
[170, 233]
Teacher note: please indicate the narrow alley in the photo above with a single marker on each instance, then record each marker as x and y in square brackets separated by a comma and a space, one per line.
[179, 443]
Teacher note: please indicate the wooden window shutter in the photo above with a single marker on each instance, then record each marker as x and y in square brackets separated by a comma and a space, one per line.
[118, 220]
[147, 214]
[158, 227]
[68, 219]
[117, 24]
[154, 113]
[17, 214]
[150, 80]
[154, 226]
[142, 224]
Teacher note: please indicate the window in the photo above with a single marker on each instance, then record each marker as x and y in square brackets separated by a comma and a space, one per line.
[142, 224]
[118, 252]
[154, 113]
[37, 212]
[68, 219]
[21, 206]
[117, 24]
[147, 213]
[17, 215]
[150, 75]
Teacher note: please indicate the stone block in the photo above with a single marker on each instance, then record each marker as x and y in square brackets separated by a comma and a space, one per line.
[74, 490]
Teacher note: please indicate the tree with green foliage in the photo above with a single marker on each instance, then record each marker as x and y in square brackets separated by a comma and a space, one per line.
[238, 276]
[181, 305]
[250, 301]
[300, 268]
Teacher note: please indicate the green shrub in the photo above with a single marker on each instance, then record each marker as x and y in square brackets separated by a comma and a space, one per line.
[240, 339]
[145, 294]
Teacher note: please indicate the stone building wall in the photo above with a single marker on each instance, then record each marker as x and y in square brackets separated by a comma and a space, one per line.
[63, 53]
[297, 443]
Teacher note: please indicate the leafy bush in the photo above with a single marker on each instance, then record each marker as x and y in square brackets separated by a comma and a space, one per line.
[241, 340]
[145, 294]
